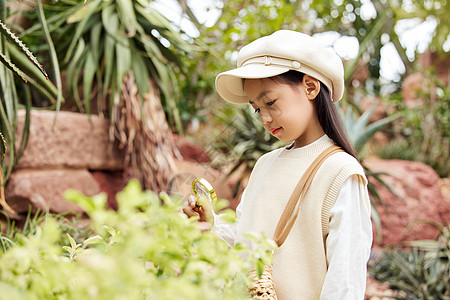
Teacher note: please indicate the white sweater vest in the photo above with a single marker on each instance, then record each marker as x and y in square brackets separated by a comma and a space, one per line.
[299, 265]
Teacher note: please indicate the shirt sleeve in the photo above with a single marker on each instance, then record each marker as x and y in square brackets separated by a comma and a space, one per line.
[348, 243]
[225, 230]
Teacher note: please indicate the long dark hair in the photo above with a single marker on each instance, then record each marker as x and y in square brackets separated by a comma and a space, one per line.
[326, 111]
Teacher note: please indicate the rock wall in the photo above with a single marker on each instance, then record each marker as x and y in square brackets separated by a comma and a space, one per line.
[63, 154]
[419, 199]
[75, 153]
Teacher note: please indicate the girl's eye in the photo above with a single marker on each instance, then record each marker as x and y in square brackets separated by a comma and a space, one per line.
[257, 110]
[270, 103]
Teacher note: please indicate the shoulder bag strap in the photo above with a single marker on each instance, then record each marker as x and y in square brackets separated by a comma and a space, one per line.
[289, 215]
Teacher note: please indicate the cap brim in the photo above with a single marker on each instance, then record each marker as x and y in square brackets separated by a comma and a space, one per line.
[229, 83]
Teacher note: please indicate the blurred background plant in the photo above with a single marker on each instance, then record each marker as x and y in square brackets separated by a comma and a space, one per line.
[421, 271]
[246, 141]
[423, 132]
[17, 62]
[119, 59]
[374, 25]
[3, 202]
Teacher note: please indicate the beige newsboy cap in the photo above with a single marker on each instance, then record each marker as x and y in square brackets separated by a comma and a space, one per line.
[278, 53]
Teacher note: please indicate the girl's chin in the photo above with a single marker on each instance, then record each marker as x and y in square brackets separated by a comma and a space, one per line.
[284, 139]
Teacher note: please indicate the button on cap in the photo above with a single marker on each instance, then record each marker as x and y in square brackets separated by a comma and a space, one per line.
[296, 65]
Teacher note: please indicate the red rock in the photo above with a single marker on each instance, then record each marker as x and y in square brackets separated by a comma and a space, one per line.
[376, 290]
[45, 188]
[420, 198]
[74, 142]
[380, 139]
[416, 83]
[190, 151]
[110, 183]
[412, 86]
[439, 61]
[379, 111]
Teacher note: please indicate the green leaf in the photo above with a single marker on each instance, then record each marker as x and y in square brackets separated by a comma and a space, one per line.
[29, 68]
[259, 267]
[85, 17]
[123, 60]
[90, 68]
[110, 20]
[93, 240]
[127, 15]
[109, 62]
[83, 13]
[140, 74]
[22, 46]
[73, 71]
[73, 244]
[53, 56]
[6, 62]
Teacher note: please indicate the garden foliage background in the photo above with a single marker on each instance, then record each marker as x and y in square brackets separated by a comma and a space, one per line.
[126, 62]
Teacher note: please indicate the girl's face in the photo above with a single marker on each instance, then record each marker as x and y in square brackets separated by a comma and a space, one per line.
[286, 111]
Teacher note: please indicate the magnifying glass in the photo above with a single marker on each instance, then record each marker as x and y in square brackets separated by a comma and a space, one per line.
[203, 190]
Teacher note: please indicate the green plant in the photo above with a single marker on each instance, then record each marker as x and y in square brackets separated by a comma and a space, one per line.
[423, 133]
[358, 129]
[29, 225]
[398, 148]
[16, 59]
[121, 59]
[359, 133]
[3, 202]
[147, 249]
[243, 141]
[100, 42]
[421, 272]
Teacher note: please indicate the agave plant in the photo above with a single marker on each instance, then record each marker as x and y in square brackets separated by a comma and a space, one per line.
[358, 128]
[3, 202]
[245, 140]
[17, 60]
[360, 132]
[420, 272]
[99, 42]
[124, 55]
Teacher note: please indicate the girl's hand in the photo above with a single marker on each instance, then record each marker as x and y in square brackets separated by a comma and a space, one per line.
[190, 209]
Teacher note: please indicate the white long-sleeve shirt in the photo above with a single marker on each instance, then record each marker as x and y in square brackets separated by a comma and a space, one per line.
[348, 242]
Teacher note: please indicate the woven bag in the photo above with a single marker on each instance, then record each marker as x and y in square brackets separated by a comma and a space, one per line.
[263, 288]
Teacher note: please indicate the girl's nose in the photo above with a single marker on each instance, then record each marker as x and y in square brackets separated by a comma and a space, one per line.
[265, 116]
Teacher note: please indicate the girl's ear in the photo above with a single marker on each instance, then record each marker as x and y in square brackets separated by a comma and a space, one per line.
[312, 86]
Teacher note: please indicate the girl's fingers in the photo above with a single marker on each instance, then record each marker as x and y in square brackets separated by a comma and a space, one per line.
[191, 201]
[189, 212]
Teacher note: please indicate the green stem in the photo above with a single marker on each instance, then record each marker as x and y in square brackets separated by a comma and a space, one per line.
[53, 56]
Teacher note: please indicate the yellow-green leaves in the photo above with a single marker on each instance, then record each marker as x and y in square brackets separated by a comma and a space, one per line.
[147, 249]
[83, 13]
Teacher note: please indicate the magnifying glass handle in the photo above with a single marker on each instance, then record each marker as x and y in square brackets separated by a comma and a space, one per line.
[197, 206]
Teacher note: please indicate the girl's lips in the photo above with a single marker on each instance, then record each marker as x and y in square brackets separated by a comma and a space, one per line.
[274, 131]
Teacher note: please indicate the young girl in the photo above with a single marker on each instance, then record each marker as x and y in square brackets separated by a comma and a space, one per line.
[292, 82]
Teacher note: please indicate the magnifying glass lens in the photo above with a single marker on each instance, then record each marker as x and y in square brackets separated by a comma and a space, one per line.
[202, 191]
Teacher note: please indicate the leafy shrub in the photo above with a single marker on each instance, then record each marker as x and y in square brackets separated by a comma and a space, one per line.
[423, 133]
[421, 272]
[147, 249]
[242, 142]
